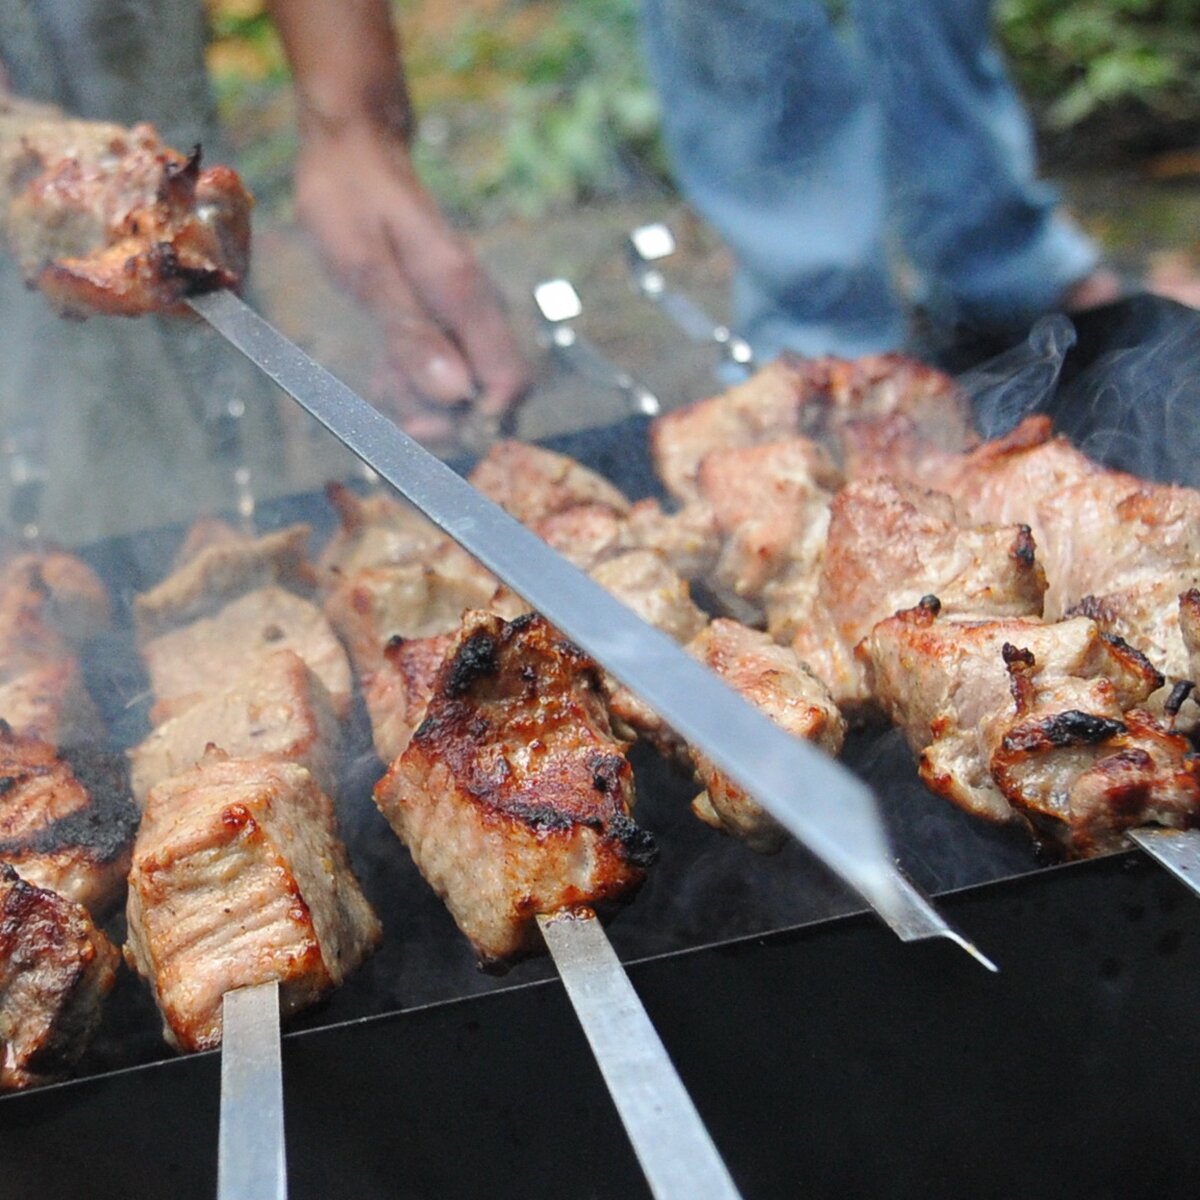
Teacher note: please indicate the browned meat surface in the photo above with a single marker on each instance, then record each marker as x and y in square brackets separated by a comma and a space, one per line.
[239, 878]
[372, 531]
[889, 544]
[773, 679]
[397, 693]
[66, 821]
[531, 483]
[277, 709]
[56, 968]
[587, 534]
[1189, 629]
[513, 795]
[815, 398]
[416, 599]
[60, 588]
[106, 219]
[50, 700]
[1032, 721]
[221, 570]
[1121, 551]
[205, 657]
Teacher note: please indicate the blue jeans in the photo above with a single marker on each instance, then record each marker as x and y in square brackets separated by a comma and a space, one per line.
[813, 150]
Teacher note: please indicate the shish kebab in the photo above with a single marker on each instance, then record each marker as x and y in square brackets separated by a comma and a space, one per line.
[146, 234]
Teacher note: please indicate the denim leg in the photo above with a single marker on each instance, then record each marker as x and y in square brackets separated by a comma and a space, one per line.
[981, 230]
[775, 141]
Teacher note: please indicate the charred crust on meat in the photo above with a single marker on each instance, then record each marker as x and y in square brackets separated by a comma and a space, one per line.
[1068, 728]
[930, 604]
[1095, 608]
[607, 770]
[1179, 693]
[638, 844]
[1017, 656]
[477, 658]
[1024, 549]
[1139, 660]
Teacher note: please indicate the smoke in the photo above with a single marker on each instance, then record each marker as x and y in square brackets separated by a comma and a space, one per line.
[1020, 381]
[1132, 400]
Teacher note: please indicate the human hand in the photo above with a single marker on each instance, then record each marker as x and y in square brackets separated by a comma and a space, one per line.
[449, 349]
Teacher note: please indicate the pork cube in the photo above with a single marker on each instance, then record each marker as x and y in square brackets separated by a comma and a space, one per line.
[56, 968]
[239, 878]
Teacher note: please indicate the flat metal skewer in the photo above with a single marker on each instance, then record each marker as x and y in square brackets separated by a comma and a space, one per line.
[251, 1157]
[1178, 850]
[648, 246]
[819, 801]
[559, 305]
[669, 1138]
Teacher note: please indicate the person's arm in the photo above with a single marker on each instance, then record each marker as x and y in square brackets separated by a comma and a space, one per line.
[356, 190]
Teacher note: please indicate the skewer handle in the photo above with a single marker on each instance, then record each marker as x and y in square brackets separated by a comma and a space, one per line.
[668, 1136]
[251, 1159]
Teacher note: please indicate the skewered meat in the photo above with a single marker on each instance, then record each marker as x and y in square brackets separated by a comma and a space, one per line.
[772, 678]
[49, 700]
[239, 878]
[531, 483]
[888, 545]
[278, 709]
[814, 398]
[1019, 719]
[109, 220]
[397, 694]
[372, 531]
[513, 795]
[60, 588]
[220, 571]
[66, 821]
[56, 968]
[200, 659]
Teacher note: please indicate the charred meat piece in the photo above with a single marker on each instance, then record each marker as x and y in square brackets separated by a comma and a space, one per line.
[889, 544]
[278, 709]
[103, 219]
[774, 680]
[239, 878]
[203, 658]
[220, 571]
[513, 795]
[372, 531]
[1032, 721]
[531, 483]
[56, 968]
[397, 694]
[815, 398]
[373, 605]
[50, 700]
[63, 590]
[66, 820]
[1121, 551]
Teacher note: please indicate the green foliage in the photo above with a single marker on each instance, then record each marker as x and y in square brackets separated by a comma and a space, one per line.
[570, 114]
[1086, 60]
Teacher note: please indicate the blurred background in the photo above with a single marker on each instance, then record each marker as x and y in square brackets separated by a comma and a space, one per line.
[538, 133]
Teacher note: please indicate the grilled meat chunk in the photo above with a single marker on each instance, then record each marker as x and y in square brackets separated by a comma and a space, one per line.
[372, 531]
[531, 483]
[889, 544]
[278, 709]
[239, 878]
[49, 700]
[56, 968]
[104, 219]
[219, 572]
[815, 398]
[60, 588]
[66, 821]
[773, 679]
[513, 795]
[1018, 719]
[397, 694]
[203, 658]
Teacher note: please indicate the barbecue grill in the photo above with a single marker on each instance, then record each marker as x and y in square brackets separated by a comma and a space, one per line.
[826, 1058]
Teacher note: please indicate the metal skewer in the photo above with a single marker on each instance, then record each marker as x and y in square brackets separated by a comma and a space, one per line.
[251, 1158]
[559, 305]
[669, 1138]
[1178, 850]
[648, 246]
[820, 802]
